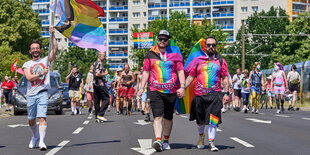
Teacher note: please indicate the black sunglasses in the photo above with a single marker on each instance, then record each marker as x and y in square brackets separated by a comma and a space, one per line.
[209, 45]
[162, 39]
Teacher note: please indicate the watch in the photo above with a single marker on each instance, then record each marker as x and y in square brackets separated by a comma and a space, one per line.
[40, 75]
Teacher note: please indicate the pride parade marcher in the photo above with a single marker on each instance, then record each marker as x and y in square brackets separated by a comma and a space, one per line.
[279, 85]
[256, 85]
[161, 66]
[208, 66]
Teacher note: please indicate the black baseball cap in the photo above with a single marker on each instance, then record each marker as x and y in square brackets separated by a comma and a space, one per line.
[75, 66]
[164, 33]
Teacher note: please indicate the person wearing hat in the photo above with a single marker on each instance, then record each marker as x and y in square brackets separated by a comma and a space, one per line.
[116, 88]
[161, 65]
[75, 81]
[269, 90]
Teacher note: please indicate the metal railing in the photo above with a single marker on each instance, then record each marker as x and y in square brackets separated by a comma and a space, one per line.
[118, 43]
[223, 2]
[201, 3]
[118, 54]
[40, 1]
[202, 16]
[118, 31]
[227, 14]
[157, 5]
[118, 19]
[117, 7]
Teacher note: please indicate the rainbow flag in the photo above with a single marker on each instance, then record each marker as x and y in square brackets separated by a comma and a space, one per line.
[114, 77]
[143, 40]
[196, 56]
[173, 52]
[79, 22]
[213, 120]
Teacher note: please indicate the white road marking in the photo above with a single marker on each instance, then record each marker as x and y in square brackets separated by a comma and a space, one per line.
[145, 147]
[282, 116]
[305, 118]
[58, 147]
[18, 125]
[258, 120]
[86, 122]
[219, 130]
[262, 113]
[246, 144]
[90, 117]
[78, 130]
[142, 122]
[184, 116]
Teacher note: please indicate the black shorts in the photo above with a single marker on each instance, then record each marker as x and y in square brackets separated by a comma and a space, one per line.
[237, 92]
[293, 88]
[162, 104]
[205, 106]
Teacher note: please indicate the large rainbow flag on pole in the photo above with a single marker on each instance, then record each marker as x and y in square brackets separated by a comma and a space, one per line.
[79, 22]
[196, 56]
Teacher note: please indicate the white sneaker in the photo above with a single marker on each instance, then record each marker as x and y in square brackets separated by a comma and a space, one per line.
[75, 112]
[201, 142]
[42, 147]
[253, 110]
[256, 112]
[33, 142]
[166, 146]
[157, 146]
[278, 111]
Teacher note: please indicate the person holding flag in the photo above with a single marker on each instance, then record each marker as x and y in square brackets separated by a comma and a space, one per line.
[209, 68]
[161, 65]
[37, 74]
[14, 66]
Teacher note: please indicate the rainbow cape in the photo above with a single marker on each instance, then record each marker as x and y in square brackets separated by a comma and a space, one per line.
[173, 52]
[196, 56]
[79, 22]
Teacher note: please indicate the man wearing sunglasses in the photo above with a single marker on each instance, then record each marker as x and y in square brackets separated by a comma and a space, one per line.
[206, 106]
[161, 66]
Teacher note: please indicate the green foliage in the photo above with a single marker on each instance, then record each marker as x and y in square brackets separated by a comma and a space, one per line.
[183, 31]
[75, 55]
[293, 49]
[258, 44]
[18, 24]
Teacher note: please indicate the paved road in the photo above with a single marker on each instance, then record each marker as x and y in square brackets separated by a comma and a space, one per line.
[265, 133]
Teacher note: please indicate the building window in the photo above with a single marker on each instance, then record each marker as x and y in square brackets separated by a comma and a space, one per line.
[136, 3]
[144, 26]
[66, 40]
[254, 8]
[144, 13]
[58, 40]
[136, 26]
[136, 14]
[244, 9]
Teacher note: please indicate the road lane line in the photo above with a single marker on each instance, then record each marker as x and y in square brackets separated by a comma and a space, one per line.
[184, 116]
[305, 118]
[86, 122]
[90, 117]
[219, 130]
[58, 147]
[258, 120]
[246, 144]
[282, 116]
[78, 130]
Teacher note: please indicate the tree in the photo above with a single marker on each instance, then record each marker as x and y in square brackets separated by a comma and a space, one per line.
[18, 24]
[257, 23]
[183, 31]
[293, 49]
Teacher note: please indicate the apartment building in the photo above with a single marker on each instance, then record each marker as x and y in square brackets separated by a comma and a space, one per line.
[122, 15]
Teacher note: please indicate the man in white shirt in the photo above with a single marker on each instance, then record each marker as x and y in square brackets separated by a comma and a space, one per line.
[237, 89]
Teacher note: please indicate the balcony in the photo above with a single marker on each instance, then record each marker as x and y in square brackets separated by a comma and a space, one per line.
[42, 11]
[103, 19]
[118, 43]
[223, 14]
[118, 20]
[41, 1]
[116, 66]
[117, 7]
[157, 17]
[157, 5]
[201, 3]
[71, 44]
[178, 4]
[118, 31]
[45, 22]
[202, 16]
[118, 54]
[45, 33]
[223, 3]
[225, 27]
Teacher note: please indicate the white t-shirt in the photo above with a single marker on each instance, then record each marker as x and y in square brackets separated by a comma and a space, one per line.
[37, 67]
[293, 75]
[89, 84]
[236, 83]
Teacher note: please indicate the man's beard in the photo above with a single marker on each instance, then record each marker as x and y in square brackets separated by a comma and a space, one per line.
[211, 52]
[36, 56]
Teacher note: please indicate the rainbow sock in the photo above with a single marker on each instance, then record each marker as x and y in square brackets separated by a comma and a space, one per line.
[158, 139]
[166, 139]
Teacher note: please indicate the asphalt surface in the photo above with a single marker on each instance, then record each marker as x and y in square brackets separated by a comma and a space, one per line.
[264, 133]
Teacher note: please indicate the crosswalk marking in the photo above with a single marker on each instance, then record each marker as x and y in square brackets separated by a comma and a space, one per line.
[86, 122]
[246, 144]
[306, 118]
[78, 130]
[282, 116]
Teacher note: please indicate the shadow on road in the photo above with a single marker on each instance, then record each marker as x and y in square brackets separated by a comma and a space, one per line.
[223, 147]
[181, 146]
[91, 143]
[2, 146]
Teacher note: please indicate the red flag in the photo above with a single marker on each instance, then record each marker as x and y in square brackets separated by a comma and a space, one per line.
[14, 66]
[20, 71]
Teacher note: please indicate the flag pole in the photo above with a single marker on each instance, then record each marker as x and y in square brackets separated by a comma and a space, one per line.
[50, 40]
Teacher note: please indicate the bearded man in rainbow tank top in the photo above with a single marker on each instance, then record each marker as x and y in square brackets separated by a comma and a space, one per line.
[161, 66]
[206, 106]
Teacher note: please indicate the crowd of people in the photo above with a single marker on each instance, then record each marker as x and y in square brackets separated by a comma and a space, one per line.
[155, 89]
[250, 88]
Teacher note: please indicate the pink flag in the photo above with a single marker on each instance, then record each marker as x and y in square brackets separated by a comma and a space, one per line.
[20, 71]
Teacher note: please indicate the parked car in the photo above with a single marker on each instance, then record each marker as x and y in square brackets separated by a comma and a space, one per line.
[54, 93]
[66, 102]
